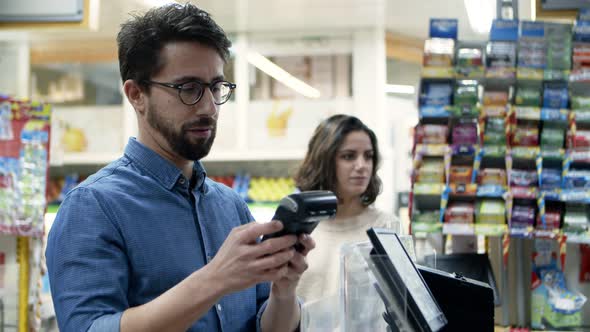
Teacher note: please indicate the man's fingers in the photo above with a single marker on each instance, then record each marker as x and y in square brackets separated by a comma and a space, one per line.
[307, 243]
[254, 230]
[274, 245]
[298, 263]
[273, 261]
[275, 274]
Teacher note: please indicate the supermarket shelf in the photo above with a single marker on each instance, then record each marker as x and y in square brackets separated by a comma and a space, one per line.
[84, 158]
[255, 155]
[581, 239]
[458, 229]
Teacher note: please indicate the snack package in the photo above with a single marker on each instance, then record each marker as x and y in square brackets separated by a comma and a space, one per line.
[555, 95]
[552, 220]
[552, 138]
[523, 178]
[431, 134]
[466, 94]
[436, 94]
[459, 212]
[465, 133]
[491, 211]
[528, 96]
[460, 174]
[526, 136]
[438, 52]
[550, 178]
[495, 98]
[522, 216]
[492, 176]
[500, 54]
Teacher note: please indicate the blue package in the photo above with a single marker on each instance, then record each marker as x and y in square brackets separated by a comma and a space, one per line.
[532, 29]
[504, 30]
[555, 96]
[444, 28]
[584, 14]
[582, 31]
[550, 178]
[436, 94]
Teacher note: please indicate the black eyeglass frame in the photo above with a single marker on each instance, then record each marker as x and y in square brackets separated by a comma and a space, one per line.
[179, 87]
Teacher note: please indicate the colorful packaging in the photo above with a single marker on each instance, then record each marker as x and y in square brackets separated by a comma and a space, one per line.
[526, 136]
[492, 176]
[465, 133]
[523, 178]
[460, 174]
[431, 134]
[459, 212]
[522, 216]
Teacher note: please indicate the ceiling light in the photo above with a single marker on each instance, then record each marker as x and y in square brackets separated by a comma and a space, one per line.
[481, 13]
[279, 74]
[402, 89]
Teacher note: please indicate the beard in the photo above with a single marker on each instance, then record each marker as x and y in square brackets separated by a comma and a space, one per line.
[179, 142]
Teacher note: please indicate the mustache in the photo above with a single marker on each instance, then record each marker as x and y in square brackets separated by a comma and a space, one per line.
[201, 122]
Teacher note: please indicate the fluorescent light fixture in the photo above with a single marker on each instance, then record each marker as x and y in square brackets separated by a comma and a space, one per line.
[279, 74]
[480, 13]
[402, 89]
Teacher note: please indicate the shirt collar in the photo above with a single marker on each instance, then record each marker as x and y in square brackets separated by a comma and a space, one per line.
[165, 172]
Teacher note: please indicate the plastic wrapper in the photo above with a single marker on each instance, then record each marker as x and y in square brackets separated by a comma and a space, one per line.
[526, 136]
[550, 178]
[438, 52]
[552, 138]
[465, 133]
[523, 178]
[522, 216]
[492, 176]
[460, 174]
[466, 94]
[431, 134]
[528, 97]
[460, 212]
[436, 94]
[552, 220]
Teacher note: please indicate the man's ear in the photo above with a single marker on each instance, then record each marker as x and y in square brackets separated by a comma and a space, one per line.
[136, 95]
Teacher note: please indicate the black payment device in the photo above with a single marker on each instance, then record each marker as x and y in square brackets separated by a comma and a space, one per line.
[301, 212]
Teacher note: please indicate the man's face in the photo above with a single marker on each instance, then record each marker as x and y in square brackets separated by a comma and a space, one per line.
[184, 131]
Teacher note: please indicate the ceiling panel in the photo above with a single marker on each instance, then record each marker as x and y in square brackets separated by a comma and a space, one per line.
[277, 16]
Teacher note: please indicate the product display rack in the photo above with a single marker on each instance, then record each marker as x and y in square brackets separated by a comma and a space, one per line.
[24, 149]
[500, 96]
[502, 148]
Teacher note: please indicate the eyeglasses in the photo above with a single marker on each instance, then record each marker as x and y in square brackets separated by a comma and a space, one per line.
[191, 92]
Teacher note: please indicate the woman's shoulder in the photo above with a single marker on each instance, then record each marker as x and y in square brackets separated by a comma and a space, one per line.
[383, 218]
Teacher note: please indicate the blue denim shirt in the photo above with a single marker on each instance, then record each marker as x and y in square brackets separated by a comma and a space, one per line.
[135, 229]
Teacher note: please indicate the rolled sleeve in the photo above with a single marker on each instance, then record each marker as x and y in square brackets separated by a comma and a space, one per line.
[87, 265]
[107, 323]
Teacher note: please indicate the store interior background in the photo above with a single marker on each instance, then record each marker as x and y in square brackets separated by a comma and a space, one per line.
[364, 56]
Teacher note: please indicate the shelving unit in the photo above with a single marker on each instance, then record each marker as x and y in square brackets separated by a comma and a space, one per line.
[498, 150]
[24, 147]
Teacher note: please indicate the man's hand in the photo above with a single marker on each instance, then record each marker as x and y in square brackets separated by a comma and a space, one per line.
[242, 262]
[284, 288]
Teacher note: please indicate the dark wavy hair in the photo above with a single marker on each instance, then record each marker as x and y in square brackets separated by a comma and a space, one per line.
[143, 36]
[318, 170]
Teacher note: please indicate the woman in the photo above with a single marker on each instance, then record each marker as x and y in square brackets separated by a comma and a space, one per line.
[342, 156]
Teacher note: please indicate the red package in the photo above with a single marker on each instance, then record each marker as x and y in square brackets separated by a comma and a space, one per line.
[584, 263]
[431, 134]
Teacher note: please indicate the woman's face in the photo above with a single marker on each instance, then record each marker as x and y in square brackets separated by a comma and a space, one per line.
[354, 165]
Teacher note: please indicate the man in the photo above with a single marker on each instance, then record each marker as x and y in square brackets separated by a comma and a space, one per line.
[149, 243]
